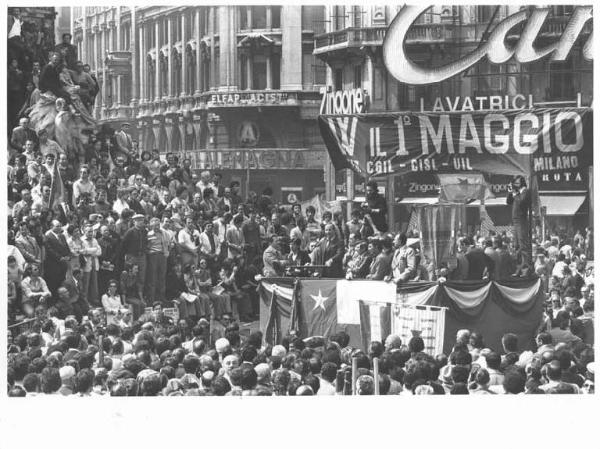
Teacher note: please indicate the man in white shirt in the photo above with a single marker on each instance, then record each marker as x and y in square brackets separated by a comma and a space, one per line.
[327, 377]
[83, 185]
[189, 240]
[204, 182]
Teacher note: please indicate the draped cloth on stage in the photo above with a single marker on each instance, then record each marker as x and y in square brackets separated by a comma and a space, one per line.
[327, 305]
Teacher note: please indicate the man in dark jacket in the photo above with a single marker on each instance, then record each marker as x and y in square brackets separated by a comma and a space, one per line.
[49, 79]
[519, 196]
[57, 256]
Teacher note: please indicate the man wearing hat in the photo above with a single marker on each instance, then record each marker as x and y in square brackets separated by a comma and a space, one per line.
[134, 248]
[124, 141]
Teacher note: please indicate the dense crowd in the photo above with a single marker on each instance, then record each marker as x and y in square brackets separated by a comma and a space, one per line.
[104, 240]
[157, 357]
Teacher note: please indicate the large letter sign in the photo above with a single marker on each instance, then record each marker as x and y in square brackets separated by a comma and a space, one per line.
[406, 71]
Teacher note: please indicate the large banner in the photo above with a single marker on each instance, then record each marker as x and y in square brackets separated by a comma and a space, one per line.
[554, 144]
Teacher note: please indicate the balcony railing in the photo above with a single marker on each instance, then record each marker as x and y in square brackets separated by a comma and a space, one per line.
[431, 33]
[349, 37]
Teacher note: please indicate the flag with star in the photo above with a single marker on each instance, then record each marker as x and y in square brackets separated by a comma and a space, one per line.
[317, 310]
[463, 188]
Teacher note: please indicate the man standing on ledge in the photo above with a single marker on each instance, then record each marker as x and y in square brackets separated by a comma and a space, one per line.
[375, 208]
[519, 196]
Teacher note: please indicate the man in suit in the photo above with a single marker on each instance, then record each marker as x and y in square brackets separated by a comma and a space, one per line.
[330, 253]
[382, 260]
[68, 51]
[57, 256]
[519, 196]
[22, 134]
[480, 265]
[404, 261]
[50, 81]
[124, 141]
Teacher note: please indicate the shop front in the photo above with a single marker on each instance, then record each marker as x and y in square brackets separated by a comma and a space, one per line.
[294, 175]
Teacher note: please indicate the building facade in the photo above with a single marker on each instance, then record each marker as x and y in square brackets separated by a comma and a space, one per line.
[352, 50]
[233, 88]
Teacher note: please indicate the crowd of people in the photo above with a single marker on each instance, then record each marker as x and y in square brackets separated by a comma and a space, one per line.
[129, 274]
[157, 357]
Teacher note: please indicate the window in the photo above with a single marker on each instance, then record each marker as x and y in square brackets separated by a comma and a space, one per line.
[484, 13]
[562, 10]
[259, 17]
[244, 72]
[259, 72]
[358, 76]
[275, 16]
[320, 70]
[338, 82]
[561, 81]
[339, 18]
[243, 17]
[357, 16]
[276, 71]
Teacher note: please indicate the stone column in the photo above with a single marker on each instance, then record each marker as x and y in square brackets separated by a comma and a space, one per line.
[268, 66]
[104, 72]
[170, 92]
[213, 66]
[249, 71]
[227, 48]
[198, 38]
[184, 38]
[291, 47]
[135, 71]
[142, 64]
[83, 54]
[157, 92]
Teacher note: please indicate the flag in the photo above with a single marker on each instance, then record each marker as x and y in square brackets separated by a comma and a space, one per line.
[317, 308]
[375, 322]
[276, 309]
[57, 189]
[463, 188]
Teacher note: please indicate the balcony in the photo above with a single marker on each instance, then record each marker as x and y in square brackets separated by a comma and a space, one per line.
[349, 38]
[553, 28]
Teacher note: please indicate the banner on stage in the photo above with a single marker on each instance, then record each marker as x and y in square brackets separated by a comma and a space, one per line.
[424, 321]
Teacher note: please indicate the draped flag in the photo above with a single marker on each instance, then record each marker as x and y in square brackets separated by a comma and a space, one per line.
[463, 188]
[371, 310]
[375, 322]
[317, 311]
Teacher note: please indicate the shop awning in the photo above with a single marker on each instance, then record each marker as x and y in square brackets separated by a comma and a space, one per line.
[561, 205]
[490, 202]
[420, 200]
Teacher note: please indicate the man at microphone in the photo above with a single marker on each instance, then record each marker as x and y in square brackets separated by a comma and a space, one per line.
[519, 196]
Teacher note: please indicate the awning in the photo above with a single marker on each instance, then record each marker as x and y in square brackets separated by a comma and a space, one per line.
[490, 202]
[562, 205]
[420, 200]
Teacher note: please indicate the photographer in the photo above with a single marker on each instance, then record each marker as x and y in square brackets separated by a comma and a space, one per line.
[83, 186]
[519, 196]
[375, 208]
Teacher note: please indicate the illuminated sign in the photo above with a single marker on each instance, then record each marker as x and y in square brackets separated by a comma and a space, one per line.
[404, 70]
[344, 102]
[479, 103]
